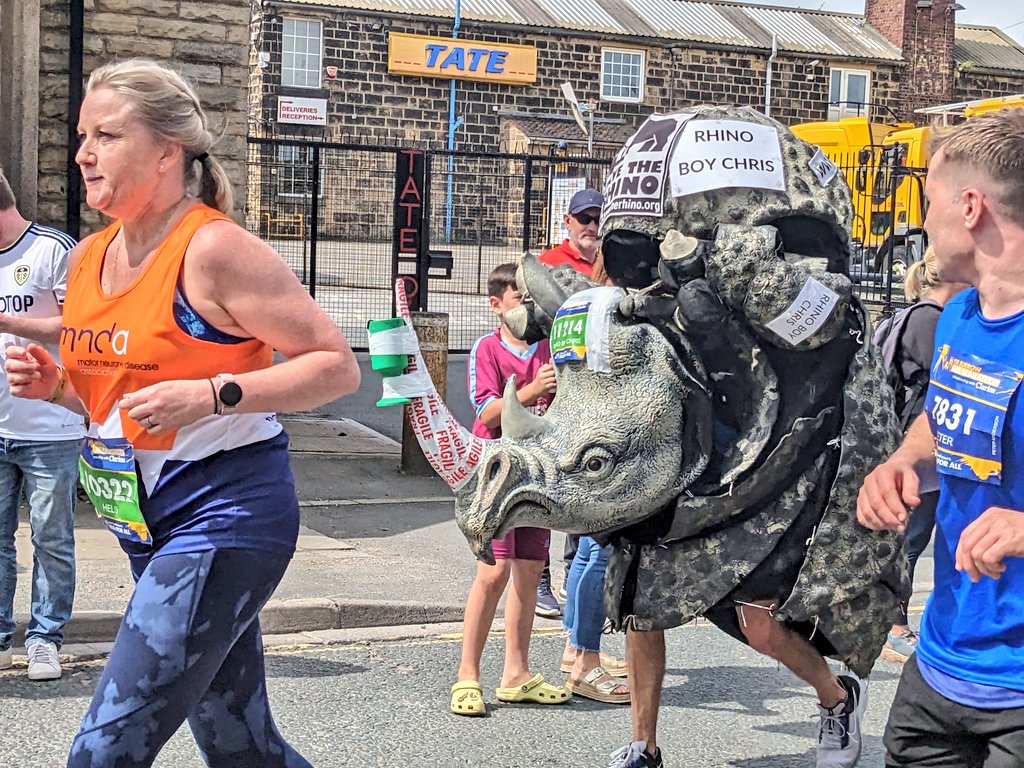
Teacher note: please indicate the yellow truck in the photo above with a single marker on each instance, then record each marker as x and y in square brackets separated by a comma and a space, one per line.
[885, 165]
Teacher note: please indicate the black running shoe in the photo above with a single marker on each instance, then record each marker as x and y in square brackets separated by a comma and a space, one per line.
[635, 755]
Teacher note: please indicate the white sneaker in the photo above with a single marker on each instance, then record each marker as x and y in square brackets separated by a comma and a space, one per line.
[839, 734]
[43, 662]
[7, 658]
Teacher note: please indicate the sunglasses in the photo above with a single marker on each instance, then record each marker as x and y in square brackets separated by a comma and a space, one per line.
[585, 218]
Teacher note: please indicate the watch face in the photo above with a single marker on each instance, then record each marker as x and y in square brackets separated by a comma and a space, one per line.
[230, 394]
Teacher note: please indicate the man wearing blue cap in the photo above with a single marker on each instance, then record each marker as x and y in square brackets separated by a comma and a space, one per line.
[583, 219]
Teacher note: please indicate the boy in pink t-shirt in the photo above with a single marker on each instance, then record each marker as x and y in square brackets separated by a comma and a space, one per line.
[520, 553]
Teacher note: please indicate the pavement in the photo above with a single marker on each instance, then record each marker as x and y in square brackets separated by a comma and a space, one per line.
[377, 547]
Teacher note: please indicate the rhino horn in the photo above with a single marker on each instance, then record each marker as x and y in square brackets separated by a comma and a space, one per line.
[452, 450]
[516, 421]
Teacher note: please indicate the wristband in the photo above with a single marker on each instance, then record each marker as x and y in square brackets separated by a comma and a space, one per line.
[58, 393]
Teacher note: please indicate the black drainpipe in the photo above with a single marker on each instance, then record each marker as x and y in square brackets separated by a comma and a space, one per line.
[76, 31]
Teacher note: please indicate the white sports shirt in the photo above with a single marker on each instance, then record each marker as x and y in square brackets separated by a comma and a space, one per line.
[33, 277]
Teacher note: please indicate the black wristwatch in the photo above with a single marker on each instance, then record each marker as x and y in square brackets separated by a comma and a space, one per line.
[229, 394]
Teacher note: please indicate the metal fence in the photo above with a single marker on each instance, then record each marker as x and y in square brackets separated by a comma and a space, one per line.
[330, 210]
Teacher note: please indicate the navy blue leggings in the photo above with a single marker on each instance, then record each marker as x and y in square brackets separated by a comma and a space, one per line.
[919, 533]
[189, 648]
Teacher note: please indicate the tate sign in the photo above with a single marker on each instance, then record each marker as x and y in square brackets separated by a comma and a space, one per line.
[461, 59]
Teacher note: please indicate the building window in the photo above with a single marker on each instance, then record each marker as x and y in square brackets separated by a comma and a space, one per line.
[622, 75]
[849, 93]
[301, 46]
[294, 171]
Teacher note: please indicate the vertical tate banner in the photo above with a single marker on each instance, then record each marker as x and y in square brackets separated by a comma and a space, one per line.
[407, 250]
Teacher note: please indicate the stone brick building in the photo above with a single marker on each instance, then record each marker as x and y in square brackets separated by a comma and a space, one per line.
[633, 58]
[46, 46]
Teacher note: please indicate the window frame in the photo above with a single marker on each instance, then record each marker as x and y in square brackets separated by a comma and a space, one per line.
[293, 70]
[842, 110]
[642, 53]
[285, 171]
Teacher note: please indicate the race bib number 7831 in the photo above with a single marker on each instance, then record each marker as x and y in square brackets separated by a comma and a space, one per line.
[967, 403]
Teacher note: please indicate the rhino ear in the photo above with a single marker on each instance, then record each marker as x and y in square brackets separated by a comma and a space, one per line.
[516, 421]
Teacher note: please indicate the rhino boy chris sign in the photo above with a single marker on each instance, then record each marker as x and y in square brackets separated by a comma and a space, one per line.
[712, 154]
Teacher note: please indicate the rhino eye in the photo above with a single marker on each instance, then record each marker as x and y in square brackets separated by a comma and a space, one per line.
[597, 463]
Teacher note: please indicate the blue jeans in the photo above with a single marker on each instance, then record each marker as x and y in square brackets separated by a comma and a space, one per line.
[584, 605]
[48, 472]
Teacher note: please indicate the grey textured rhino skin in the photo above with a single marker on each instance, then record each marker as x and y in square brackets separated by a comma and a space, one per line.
[696, 522]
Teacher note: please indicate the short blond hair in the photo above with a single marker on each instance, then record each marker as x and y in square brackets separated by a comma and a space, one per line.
[993, 143]
[168, 106]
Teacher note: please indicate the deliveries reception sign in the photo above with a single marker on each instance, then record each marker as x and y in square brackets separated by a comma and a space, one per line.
[301, 111]
[461, 59]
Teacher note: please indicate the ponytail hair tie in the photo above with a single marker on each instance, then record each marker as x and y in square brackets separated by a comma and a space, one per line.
[203, 157]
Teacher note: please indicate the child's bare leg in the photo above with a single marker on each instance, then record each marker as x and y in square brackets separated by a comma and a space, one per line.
[481, 605]
[519, 610]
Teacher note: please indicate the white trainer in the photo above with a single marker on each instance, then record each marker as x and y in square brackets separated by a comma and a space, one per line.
[839, 736]
[43, 662]
[7, 658]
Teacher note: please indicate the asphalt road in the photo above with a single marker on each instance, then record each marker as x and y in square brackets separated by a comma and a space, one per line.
[385, 703]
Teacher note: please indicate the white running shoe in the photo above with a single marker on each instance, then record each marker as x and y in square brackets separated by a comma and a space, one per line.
[839, 733]
[7, 658]
[43, 662]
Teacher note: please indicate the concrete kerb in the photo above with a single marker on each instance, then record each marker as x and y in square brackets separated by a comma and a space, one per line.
[280, 617]
[74, 653]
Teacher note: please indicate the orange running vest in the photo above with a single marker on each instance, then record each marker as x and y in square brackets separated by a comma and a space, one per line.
[115, 344]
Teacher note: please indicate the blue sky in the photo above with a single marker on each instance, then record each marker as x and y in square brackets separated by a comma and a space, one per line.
[1007, 15]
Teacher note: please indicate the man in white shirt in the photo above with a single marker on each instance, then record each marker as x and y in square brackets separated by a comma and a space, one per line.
[39, 442]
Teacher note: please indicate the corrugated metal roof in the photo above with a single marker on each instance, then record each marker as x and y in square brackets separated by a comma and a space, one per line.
[551, 129]
[689, 21]
[987, 48]
[581, 15]
[478, 10]
[710, 21]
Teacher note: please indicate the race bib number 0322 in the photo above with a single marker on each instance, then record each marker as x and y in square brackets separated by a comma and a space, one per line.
[968, 400]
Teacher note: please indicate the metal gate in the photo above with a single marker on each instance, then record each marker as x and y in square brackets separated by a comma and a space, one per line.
[349, 218]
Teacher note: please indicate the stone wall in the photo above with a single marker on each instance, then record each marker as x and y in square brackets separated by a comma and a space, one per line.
[974, 84]
[925, 35]
[368, 106]
[207, 41]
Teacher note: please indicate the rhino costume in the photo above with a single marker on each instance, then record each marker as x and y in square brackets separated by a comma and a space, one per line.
[715, 419]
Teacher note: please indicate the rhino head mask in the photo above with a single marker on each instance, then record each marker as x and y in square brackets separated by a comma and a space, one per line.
[614, 447]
